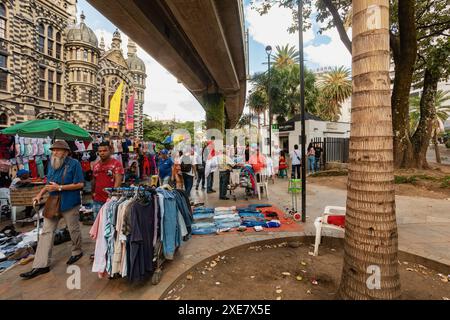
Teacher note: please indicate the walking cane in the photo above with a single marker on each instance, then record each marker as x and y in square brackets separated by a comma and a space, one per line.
[35, 203]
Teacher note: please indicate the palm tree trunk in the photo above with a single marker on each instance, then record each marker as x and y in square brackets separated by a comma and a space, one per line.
[371, 241]
[436, 147]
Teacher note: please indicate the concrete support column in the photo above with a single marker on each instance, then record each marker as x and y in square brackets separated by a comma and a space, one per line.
[215, 111]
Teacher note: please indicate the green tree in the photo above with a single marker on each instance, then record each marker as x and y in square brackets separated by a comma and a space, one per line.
[411, 22]
[335, 87]
[441, 114]
[285, 56]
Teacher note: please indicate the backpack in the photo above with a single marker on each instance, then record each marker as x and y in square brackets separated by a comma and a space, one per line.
[186, 164]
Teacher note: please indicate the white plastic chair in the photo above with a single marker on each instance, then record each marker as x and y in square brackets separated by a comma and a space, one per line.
[322, 222]
[263, 183]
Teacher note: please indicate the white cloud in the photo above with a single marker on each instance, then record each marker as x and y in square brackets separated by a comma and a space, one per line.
[271, 28]
[332, 54]
[165, 98]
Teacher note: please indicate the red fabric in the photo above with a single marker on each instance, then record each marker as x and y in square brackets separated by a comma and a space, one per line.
[104, 177]
[85, 166]
[258, 162]
[211, 150]
[146, 167]
[282, 163]
[337, 221]
[33, 168]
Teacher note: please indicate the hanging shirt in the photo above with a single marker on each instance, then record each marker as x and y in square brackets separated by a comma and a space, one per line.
[104, 174]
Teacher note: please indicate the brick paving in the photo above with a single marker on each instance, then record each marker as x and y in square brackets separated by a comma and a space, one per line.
[424, 230]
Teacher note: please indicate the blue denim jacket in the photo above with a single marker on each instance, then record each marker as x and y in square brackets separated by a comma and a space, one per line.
[74, 174]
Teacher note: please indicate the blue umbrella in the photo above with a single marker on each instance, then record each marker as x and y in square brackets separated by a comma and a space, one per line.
[168, 140]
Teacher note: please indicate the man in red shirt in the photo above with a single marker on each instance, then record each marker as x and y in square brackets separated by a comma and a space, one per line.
[107, 173]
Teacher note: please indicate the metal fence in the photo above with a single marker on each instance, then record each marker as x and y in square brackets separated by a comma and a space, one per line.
[333, 150]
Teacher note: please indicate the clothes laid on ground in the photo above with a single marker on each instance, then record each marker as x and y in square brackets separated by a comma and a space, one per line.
[210, 220]
[129, 225]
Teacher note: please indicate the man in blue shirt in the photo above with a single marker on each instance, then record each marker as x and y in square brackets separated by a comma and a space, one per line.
[165, 167]
[60, 166]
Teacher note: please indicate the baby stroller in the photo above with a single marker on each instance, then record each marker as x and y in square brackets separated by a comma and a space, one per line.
[244, 178]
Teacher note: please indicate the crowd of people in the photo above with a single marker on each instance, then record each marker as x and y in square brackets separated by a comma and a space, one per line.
[180, 168]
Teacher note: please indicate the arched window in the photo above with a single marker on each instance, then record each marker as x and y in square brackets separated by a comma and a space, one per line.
[41, 40]
[74, 95]
[2, 21]
[90, 96]
[50, 32]
[3, 119]
[85, 55]
[58, 46]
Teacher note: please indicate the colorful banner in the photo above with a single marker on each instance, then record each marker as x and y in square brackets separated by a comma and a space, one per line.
[130, 114]
[114, 107]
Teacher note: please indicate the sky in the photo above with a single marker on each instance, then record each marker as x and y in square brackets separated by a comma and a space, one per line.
[166, 99]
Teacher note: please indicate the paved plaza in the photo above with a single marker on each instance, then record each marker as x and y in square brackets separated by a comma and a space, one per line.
[424, 230]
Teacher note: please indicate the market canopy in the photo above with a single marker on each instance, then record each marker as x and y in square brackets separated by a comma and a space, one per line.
[53, 128]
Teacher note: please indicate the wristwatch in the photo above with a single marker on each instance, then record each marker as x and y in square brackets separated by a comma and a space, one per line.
[60, 188]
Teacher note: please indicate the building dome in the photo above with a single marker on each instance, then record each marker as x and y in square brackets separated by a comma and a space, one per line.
[135, 64]
[82, 33]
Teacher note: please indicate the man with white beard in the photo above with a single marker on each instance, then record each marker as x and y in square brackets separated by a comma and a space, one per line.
[60, 166]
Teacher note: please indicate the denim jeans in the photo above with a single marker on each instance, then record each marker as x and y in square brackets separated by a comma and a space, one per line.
[210, 181]
[296, 168]
[188, 183]
[96, 207]
[317, 164]
[172, 234]
[224, 181]
[312, 164]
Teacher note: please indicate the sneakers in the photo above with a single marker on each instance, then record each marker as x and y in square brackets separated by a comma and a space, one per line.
[21, 253]
[26, 260]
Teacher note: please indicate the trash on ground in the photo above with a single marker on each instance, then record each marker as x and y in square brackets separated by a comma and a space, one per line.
[299, 278]
[286, 274]
[189, 277]
[279, 291]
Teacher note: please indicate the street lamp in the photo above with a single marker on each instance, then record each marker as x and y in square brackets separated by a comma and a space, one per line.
[302, 105]
[269, 52]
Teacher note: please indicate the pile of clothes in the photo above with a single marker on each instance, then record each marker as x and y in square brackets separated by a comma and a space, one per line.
[215, 220]
[20, 248]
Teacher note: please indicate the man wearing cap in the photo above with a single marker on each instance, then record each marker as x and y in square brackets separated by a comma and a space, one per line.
[165, 167]
[60, 165]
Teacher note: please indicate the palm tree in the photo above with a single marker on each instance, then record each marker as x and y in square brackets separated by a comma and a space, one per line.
[371, 240]
[285, 56]
[257, 102]
[441, 115]
[246, 120]
[335, 87]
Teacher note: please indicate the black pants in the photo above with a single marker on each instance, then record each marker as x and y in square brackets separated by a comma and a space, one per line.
[210, 182]
[201, 177]
[296, 168]
[224, 177]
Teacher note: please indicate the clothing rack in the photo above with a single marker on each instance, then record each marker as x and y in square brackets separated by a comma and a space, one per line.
[162, 222]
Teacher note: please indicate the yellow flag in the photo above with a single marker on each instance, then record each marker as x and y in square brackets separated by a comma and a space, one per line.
[114, 107]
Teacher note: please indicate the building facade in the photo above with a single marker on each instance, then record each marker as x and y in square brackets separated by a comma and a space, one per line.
[53, 67]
